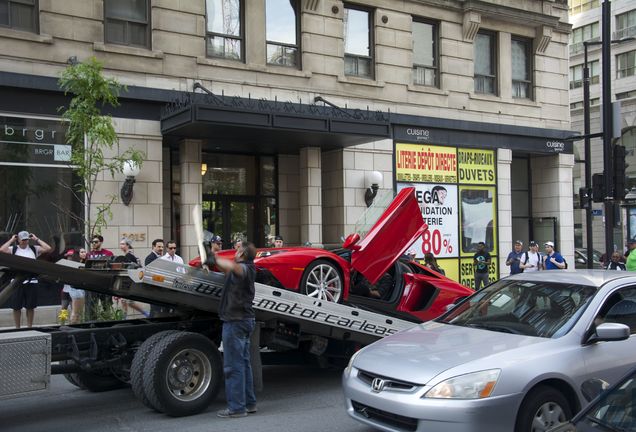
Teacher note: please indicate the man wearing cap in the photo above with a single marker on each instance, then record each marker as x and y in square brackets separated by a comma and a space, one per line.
[481, 261]
[25, 295]
[514, 258]
[216, 243]
[531, 259]
[631, 258]
[278, 242]
[553, 260]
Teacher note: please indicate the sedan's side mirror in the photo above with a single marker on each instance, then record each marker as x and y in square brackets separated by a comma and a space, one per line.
[580, 260]
[609, 332]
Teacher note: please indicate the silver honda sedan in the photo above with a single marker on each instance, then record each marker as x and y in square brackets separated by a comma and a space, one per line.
[512, 357]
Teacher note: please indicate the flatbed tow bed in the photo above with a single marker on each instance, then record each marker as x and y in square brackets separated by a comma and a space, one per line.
[173, 364]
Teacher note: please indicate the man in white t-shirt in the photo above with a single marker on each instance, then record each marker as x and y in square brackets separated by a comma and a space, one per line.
[25, 295]
[531, 260]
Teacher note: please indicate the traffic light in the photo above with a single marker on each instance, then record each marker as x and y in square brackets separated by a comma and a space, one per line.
[598, 188]
[585, 198]
[619, 172]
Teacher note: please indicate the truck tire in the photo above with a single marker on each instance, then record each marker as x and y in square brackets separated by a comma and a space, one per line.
[183, 374]
[98, 381]
[139, 363]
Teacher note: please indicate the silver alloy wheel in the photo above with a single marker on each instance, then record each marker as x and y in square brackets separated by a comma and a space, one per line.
[549, 415]
[189, 374]
[324, 283]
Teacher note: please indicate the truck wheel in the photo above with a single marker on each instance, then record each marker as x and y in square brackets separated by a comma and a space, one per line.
[98, 381]
[183, 374]
[543, 409]
[322, 280]
[139, 363]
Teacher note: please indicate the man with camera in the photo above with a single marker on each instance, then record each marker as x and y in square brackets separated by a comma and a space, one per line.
[25, 294]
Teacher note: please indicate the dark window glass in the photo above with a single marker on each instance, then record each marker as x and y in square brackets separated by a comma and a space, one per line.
[485, 67]
[127, 22]
[425, 53]
[224, 29]
[358, 43]
[19, 14]
[521, 69]
[282, 34]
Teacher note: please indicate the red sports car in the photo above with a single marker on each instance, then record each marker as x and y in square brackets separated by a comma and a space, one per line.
[370, 270]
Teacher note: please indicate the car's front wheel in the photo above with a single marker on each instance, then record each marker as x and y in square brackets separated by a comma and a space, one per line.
[543, 409]
[323, 281]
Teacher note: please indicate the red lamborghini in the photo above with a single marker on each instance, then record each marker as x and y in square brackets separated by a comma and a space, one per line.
[372, 258]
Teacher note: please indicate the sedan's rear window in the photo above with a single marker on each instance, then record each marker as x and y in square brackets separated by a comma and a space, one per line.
[543, 309]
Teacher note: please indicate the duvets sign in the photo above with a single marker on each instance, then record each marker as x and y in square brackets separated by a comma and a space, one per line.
[456, 190]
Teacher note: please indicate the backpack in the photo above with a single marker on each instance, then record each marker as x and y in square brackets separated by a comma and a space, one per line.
[565, 262]
[15, 248]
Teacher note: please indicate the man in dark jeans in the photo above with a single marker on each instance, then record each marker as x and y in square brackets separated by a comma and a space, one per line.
[235, 310]
[481, 261]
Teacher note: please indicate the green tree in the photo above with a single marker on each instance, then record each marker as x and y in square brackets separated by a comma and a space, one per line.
[91, 133]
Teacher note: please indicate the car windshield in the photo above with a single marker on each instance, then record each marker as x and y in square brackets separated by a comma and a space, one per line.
[372, 213]
[615, 410]
[543, 309]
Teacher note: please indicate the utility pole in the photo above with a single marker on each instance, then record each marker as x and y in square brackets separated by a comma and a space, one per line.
[606, 37]
[588, 158]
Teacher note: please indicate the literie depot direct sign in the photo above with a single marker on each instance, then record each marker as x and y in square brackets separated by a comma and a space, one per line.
[456, 190]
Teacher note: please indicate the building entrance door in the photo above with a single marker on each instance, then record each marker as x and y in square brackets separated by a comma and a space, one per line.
[231, 217]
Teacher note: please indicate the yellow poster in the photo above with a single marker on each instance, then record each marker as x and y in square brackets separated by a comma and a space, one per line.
[467, 271]
[476, 166]
[425, 163]
[451, 268]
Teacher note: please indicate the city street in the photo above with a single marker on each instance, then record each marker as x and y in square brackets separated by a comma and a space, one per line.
[294, 399]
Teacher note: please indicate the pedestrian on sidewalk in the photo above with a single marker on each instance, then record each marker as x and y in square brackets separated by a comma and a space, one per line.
[25, 295]
[615, 262]
[514, 258]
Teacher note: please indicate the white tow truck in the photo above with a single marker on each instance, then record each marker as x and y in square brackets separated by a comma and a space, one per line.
[173, 364]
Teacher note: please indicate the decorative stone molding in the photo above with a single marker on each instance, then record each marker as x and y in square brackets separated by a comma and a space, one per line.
[472, 22]
[311, 5]
[543, 38]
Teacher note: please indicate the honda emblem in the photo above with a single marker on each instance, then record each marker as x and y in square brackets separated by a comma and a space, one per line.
[377, 385]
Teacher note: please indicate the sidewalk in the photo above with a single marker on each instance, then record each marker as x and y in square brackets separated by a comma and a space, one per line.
[47, 315]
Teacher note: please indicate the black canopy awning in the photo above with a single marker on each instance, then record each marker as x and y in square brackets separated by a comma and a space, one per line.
[231, 123]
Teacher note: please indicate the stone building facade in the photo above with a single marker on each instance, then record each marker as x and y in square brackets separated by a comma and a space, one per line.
[587, 27]
[275, 134]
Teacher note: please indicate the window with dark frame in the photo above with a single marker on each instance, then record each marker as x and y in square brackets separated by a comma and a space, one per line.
[224, 29]
[358, 26]
[521, 68]
[282, 30]
[485, 63]
[19, 15]
[127, 22]
[425, 53]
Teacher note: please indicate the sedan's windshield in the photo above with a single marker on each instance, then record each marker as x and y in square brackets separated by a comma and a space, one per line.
[543, 309]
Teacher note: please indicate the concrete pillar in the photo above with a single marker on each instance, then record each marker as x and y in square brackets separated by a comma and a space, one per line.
[191, 195]
[310, 194]
[288, 190]
[255, 31]
[333, 211]
[504, 208]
